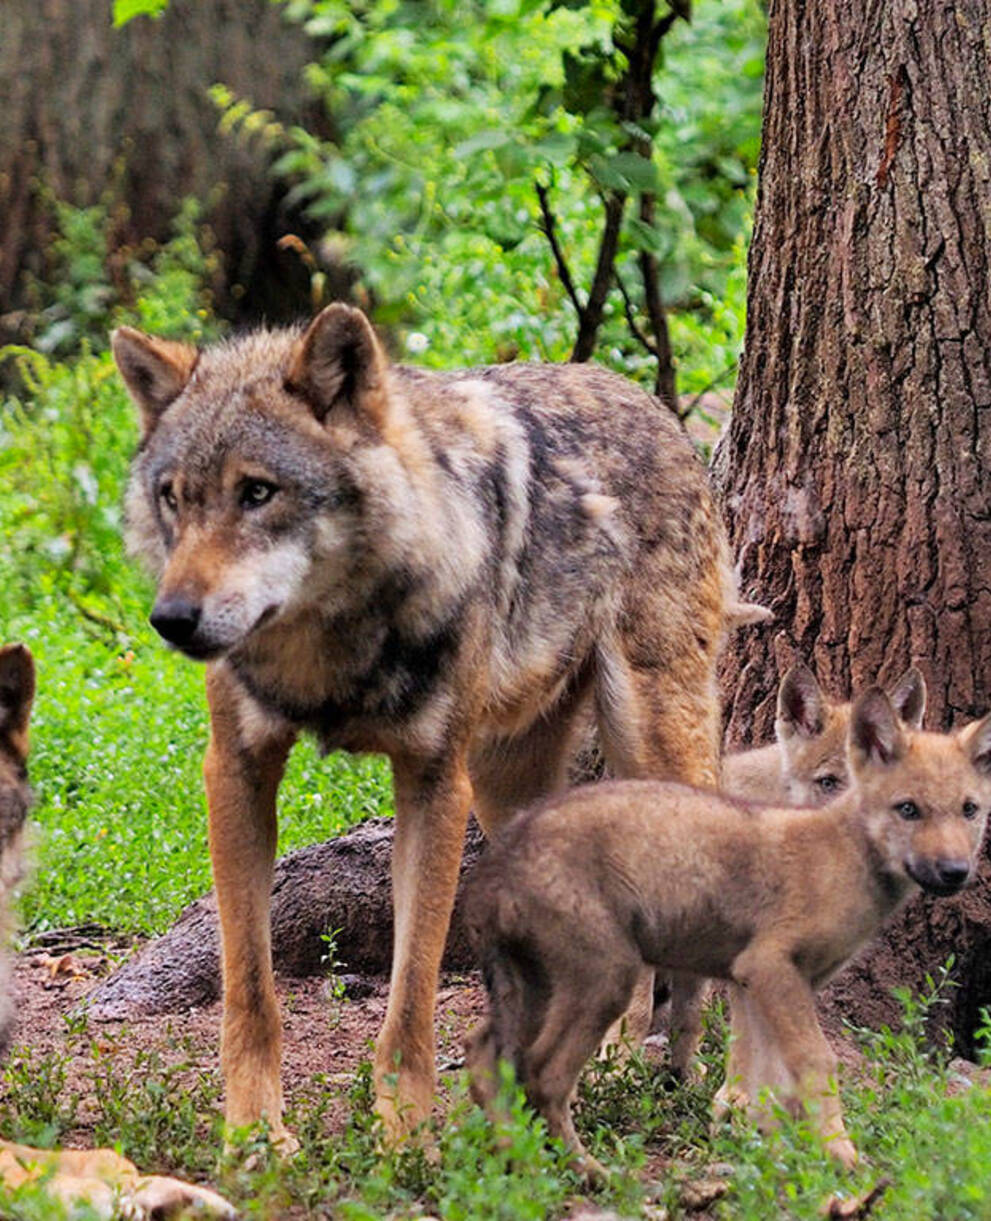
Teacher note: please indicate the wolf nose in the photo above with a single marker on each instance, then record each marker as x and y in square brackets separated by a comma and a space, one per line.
[952, 873]
[176, 619]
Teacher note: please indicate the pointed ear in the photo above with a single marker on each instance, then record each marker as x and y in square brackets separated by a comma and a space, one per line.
[876, 735]
[800, 703]
[339, 363]
[977, 743]
[16, 695]
[155, 371]
[908, 697]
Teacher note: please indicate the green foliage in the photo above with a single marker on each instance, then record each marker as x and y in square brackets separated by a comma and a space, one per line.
[93, 281]
[448, 116]
[126, 10]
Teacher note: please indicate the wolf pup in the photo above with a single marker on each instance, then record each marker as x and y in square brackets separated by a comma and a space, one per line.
[807, 764]
[442, 567]
[580, 892]
[104, 1181]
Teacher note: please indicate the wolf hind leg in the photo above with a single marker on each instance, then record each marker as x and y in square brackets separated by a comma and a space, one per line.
[579, 1011]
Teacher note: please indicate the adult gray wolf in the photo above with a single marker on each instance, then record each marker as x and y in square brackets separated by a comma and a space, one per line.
[579, 893]
[101, 1179]
[443, 567]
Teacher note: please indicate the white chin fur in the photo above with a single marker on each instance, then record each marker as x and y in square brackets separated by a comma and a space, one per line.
[265, 581]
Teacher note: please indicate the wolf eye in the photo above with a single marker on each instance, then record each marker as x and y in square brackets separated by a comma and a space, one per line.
[167, 493]
[828, 784]
[908, 810]
[255, 493]
[970, 809]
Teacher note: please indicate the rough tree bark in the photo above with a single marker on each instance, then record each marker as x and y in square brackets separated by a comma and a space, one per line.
[856, 474]
[78, 99]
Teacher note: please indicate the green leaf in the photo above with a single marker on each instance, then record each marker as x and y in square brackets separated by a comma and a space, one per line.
[626, 172]
[646, 237]
[492, 137]
[125, 10]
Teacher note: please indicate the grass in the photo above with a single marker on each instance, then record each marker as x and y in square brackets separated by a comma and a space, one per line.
[160, 1107]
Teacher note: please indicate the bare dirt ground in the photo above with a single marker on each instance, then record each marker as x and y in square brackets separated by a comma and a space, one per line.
[322, 1035]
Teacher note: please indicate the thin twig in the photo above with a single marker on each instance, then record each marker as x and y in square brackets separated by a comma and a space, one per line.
[684, 414]
[638, 334]
[550, 229]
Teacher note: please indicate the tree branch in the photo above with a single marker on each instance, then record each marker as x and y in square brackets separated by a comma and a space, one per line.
[631, 319]
[550, 230]
[591, 318]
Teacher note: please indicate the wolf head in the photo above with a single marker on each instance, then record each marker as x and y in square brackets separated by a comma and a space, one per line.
[812, 732]
[926, 796]
[243, 493]
[16, 696]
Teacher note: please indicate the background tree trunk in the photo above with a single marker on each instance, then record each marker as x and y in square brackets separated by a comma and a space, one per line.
[856, 474]
[84, 108]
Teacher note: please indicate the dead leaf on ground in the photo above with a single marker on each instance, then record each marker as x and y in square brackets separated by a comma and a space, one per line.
[701, 1193]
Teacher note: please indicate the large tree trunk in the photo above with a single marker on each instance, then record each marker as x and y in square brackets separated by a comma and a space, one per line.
[85, 108]
[856, 474]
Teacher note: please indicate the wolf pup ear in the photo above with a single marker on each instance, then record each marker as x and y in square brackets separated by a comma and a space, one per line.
[876, 735]
[908, 697]
[800, 703]
[977, 741]
[16, 695]
[155, 371]
[338, 363]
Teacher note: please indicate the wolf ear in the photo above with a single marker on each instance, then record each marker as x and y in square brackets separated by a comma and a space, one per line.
[800, 703]
[908, 697]
[16, 695]
[876, 735]
[977, 740]
[155, 371]
[338, 363]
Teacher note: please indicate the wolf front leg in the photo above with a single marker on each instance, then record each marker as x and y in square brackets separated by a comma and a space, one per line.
[242, 774]
[432, 803]
[783, 1005]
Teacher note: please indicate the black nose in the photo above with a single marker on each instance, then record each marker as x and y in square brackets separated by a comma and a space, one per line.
[952, 874]
[176, 619]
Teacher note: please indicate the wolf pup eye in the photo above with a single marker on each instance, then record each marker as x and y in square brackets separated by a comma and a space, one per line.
[828, 784]
[908, 810]
[255, 493]
[970, 809]
[168, 496]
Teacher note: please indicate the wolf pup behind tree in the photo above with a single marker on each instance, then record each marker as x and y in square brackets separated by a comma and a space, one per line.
[580, 892]
[807, 763]
[101, 1181]
[443, 567]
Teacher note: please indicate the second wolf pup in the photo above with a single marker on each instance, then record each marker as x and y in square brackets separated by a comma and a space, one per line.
[806, 764]
[579, 893]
